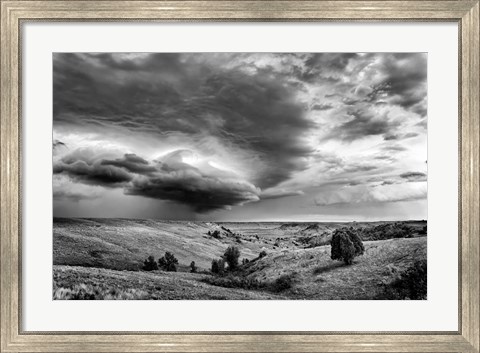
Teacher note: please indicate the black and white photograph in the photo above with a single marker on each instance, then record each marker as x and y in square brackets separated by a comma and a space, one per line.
[239, 176]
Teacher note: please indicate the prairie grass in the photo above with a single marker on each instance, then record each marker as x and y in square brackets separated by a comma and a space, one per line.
[97, 292]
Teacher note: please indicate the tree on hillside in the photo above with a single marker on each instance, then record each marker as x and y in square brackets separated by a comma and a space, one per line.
[218, 266]
[193, 267]
[149, 264]
[231, 256]
[346, 245]
[168, 262]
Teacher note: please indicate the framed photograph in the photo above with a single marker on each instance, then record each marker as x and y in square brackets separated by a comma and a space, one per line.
[240, 176]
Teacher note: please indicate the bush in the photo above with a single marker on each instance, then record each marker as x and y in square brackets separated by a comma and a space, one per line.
[168, 262]
[346, 245]
[411, 284]
[245, 261]
[193, 267]
[232, 281]
[282, 283]
[386, 231]
[263, 253]
[149, 264]
[218, 266]
[231, 257]
[216, 234]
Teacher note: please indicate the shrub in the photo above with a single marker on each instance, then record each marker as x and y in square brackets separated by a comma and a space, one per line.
[282, 283]
[232, 281]
[231, 257]
[193, 267]
[245, 261]
[149, 264]
[346, 245]
[263, 253]
[411, 284]
[168, 262]
[218, 266]
[216, 234]
[386, 231]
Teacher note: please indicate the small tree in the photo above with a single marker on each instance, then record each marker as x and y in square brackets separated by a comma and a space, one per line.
[168, 262]
[149, 264]
[231, 257]
[216, 234]
[263, 253]
[218, 266]
[346, 245]
[193, 268]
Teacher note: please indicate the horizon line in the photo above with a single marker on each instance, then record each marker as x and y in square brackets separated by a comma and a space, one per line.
[251, 221]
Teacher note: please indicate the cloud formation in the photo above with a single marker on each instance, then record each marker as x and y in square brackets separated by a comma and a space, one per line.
[385, 192]
[172, 177]
[212, 131]
[86, 167]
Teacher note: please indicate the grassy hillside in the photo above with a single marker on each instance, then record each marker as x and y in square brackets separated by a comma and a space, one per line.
[123, 244]
[97, 283]
[313, 276]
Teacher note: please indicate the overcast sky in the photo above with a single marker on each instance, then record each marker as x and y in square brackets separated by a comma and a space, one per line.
[240, 136]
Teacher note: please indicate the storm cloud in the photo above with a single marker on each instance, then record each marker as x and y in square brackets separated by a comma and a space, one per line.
[218, 132]
[198, 184]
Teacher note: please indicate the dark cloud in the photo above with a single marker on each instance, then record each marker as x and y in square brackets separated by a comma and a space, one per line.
[132, 163]
[322, 67]
[414, 176]
[392, 136]
[200, 192]
[85, 167]
[361, 125]
[203, 187]
[328, 62]
[404, 83]
[394, 148]
[164, 94]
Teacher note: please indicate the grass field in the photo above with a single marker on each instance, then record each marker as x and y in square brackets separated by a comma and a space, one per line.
[102, 258]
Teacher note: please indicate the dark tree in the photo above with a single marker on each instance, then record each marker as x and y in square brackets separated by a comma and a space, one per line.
[216, 234]
[218, 266]
[168, 262]
[231, 257]
[263, 253]
[162, 263]
[346, 245]
[149, 264]
[193, 268]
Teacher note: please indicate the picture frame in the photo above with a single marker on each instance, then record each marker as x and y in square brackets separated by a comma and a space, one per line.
[15, 339]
